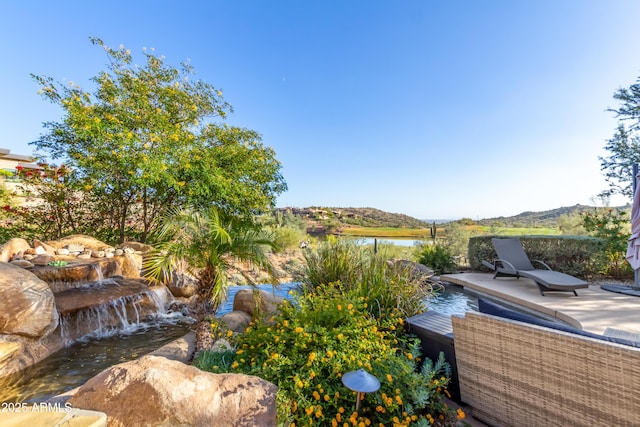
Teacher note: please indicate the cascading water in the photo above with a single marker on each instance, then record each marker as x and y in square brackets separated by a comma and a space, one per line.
[110, 305]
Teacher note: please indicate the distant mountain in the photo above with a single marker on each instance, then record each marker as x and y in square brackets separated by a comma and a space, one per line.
[358, 217]
[539, 219]
[323, 218]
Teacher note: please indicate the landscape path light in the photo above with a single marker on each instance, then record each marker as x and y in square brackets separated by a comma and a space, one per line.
[360, 381]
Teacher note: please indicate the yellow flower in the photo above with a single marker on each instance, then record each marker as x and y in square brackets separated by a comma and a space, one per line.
[389, 378]
[234, 365]
[309, 410]
[339, 307]
[229, 334]
[299, 329]
[326, 398]
[350, 307]
[316, 396]
[274, 355]
[461, 414]
[300, 384]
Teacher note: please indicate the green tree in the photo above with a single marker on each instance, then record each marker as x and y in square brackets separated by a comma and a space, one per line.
[572, 224]
[205, 244]
[456, 239]
[147, 139]
[624, 146]
[612, 226]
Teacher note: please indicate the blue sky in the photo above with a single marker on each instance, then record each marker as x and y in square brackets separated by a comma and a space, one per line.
[435, 109]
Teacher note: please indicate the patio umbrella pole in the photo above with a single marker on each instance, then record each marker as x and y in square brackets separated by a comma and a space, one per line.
[636, 274]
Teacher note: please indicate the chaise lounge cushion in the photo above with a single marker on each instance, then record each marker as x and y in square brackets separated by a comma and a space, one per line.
[488, 307]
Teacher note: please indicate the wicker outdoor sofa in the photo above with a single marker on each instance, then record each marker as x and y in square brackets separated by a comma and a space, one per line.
[519, 374]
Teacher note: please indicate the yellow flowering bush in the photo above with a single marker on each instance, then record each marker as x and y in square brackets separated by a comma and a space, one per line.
[321, 335]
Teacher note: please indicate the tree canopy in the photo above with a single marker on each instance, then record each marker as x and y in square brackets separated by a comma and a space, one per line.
[150, 137]
[624, 146]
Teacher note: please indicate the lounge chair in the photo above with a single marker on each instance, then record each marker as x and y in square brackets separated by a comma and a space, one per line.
[512, 261]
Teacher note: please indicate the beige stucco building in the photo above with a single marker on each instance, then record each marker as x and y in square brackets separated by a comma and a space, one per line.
[9, 161]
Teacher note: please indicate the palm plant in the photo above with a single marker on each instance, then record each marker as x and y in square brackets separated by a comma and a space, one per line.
[203, 244]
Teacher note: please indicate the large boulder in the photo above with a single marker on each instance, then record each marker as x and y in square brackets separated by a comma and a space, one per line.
[257, 302]
[27, 307]
[79, 241]
[46, 249]
[236, 321]
[183, 284]
[131, 264]
[136, 246]
[161, 392]
[13, 247]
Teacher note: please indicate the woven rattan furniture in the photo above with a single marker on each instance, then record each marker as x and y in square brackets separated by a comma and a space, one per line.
[518, 374]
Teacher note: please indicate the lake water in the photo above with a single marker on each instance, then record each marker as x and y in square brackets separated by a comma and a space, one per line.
[388, 241]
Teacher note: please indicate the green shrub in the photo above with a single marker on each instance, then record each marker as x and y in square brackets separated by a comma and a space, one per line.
[215, 361]
[438, 258]
[287, 238]
[326, 333]
[456, 239]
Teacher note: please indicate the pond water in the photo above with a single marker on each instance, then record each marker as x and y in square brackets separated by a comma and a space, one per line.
[75, 364]
[280, 290]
